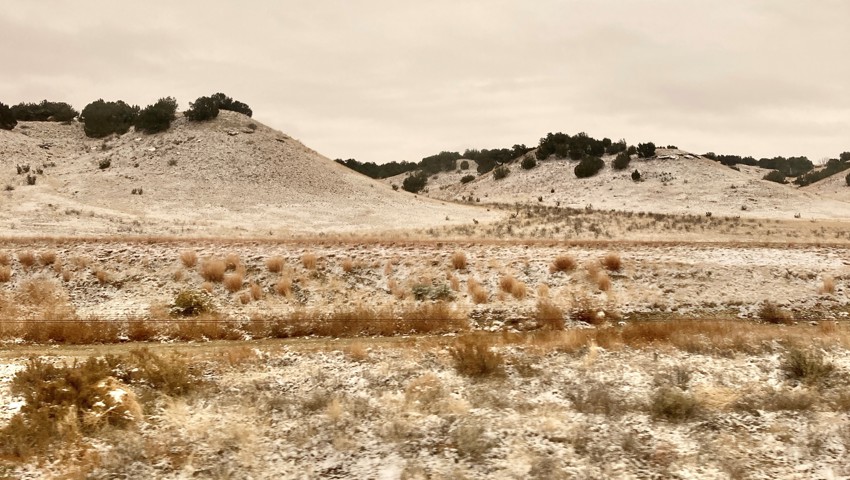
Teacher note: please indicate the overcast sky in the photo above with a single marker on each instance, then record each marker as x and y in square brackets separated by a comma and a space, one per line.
[382, 80]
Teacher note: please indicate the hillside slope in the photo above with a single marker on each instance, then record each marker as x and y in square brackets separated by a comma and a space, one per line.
[231, 175]
[674, 182]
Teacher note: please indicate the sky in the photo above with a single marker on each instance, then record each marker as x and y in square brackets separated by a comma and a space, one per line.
[384, 80]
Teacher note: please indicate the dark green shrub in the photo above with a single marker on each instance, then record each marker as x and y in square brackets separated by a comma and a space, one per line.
[501, 172]
[190, 303]
[204, 108]
[621, 162]
[44, 111]
[775, 176]
[464, 165]
[467, 178]
[104, 164]
[415, 182]
[528, 162]
[847, 179]
[646, 150]
[7, 118]
[157, 117]
[589, 167]
[631, 150]
[226, 103]
[636, 176]
[105, 118]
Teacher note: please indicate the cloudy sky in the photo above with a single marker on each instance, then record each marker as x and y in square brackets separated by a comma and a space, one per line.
[382, 80]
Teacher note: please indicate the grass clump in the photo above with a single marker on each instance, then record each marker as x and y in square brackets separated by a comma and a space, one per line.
[275, 264]
[459, 261]
[26, 259]
[807, 366]
[233, 282]
[563, 263]
[673, 405]
[612, 262]
[309, 260]
[188, 258]
[474, 357]
[549, 316]
[771, 313]
[212, 269]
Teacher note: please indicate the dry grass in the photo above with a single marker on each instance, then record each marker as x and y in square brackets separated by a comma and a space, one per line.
[245, 298]
[507, 283]
[347, 265]
[612, 262]
[47, 257]
[233, 282]
[275, 264]
[454, 282]
[256, 291]
[67, 275]
[563, 263]
[178, 275]
[519, 290]
[549, 316]
[212, 269]
[474, 357]
[603, 282]
[283, 286]
[5, 273]
[806, 366]
[309, 260]
[207, 287]
[584, 309]
[459, 260]
[232, 261]
[189, 258]
[103, 277]
[477, 292]
[5, 259]
[26, 259]
[771, 313]
[828, 285]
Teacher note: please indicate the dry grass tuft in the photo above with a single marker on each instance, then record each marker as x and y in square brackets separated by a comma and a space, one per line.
[245, 298]
[67, 275]
[549, 316]
[233, 282]
[232, 261]
[275, 264]
[212, 269]
[474, 357]
[459, 260]
[347, 265]
[806, 366]
[102, 276]
[477, 292]
[585, 310]
[507, 283]
[5, 273]
[563, 263]
[47, 258]
[309, 260]
[612, 262]
[772, 313]
[671, 404]
[519, 290]
[256, 291]
[5, 259]
[283, 286]
[189, 258]
[603, 281]
[828, 285]
[207, 287]
[26, 259]
[178, 275]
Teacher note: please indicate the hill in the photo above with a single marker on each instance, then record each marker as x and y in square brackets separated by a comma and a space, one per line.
[674, 181]
[231, 175]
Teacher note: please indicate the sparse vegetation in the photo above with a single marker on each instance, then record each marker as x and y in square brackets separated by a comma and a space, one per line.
[474, 357]
[189, 258]
[806, 366]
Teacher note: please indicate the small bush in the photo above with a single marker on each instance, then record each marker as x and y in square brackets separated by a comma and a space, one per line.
[588, 167]
[459, 260]
[202, 109]
[104, 164]
[474, 357]
[528, 162]
[188, 258]
[563, 263]
[646, 150]
[415, 182]
[189, 303]
[464, 165]
[806, 366]
[635, 176]
[621, 162]
[612, 262]
[467, 178]
[771, 313]
[671, 404]
[501, 172]
[212, 269]
[775, 176]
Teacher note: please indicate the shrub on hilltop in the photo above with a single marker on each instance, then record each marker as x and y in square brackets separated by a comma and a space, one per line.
[622, 161]
[7, 119]
[589, 167]
[44, 112]
[528, 162]
[415, 182]
[157, 117]
[204, 108]
[646, 150]
[104, 118]
[226, 103]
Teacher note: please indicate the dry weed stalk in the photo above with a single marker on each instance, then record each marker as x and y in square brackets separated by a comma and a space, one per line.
[347, 265]
[603, 282]
[102, 276]
[474, 357]
[256, 291]
[207, 287]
